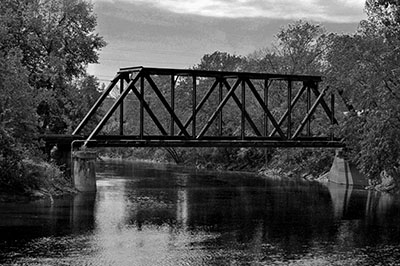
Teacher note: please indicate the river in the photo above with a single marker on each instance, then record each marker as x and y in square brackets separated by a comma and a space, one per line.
[154, 214]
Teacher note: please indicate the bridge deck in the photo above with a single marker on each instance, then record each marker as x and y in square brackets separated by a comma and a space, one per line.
[168, 141]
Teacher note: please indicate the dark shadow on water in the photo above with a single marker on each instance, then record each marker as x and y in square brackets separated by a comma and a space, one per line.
[214, 217]
[22, 224]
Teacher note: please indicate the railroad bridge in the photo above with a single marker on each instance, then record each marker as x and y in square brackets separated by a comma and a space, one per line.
[160, 107]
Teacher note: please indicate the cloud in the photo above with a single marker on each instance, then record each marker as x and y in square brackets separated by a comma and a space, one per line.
[342, 11]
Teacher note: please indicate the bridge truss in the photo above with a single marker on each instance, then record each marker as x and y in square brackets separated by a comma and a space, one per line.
[149, 107]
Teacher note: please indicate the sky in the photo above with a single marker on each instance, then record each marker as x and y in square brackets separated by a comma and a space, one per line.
[177, 33]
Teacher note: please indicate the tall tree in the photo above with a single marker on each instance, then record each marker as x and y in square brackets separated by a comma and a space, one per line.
[45, 46]
[298, 49]
[365, 69]
[57, 41]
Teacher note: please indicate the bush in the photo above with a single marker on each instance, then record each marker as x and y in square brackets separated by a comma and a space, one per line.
[303, 161]
[11, 169]
[19, 175]
[373, 141]
[45, 176]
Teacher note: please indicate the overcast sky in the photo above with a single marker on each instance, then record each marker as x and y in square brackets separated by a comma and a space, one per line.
[177, 33]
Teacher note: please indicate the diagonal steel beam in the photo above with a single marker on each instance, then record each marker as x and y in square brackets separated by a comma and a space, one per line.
[231, 92]
[166, 105]
[267, 84]
[107, 116]
[149, 111]
[265, 108]
[246, 115]
[200, 105]
[144, 105]
[293, 103]
[96, 106]
[324, 105]
[319, 100]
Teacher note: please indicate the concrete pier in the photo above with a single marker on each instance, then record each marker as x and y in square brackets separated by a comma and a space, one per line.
[84, 170]
[344, 172]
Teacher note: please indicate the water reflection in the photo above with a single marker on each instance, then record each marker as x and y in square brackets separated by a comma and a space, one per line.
[145, 214]
[44, 227]
[350, 203]
[244, 216]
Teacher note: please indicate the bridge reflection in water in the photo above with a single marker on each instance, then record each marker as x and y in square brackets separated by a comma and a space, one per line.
[163, 215]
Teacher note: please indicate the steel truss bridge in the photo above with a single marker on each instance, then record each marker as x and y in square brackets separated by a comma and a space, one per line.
[159, 107]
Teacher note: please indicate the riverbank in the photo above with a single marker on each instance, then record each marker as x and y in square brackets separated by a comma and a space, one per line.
[39, 179]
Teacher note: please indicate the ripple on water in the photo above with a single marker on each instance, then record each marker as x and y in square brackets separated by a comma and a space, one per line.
[169, 217]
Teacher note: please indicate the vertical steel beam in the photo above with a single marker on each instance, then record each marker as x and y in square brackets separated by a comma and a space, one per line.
[324, 105]
[266, 100]
[283, 117]
[166, 104]
[111, 110]
[172, 126]
[308, 130]
[332, 114]
[239, 104]
[220, 117]
[121, 109]
[243, 122]
[289, 103]
[318, 101]
[199, 106]
[141, 112]
[230, 93]
[194, 99]
[146, 107]
[270, 116]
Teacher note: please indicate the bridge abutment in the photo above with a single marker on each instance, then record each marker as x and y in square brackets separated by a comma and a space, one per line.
[84, 170]
[344, 172]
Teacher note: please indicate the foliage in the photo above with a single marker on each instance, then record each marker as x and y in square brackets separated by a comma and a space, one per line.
[373, 141]
[56, 37]
[302, 162]
[298, 49]
[52, 41]
[364, 69]
[17, 113]
[11, 167]
[220, 61]
[45, 46]
[44, 176]
[383, 17]
[56, 42]
[17, 117]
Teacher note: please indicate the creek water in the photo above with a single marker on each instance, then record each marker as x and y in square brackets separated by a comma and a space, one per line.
[152, 214]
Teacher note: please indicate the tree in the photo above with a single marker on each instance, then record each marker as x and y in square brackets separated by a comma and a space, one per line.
[45, 46]
[57, 41]
[298, 49]
[383, 17]
[17, 116]
[364, 67]
[220, 61]
[17, 105]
